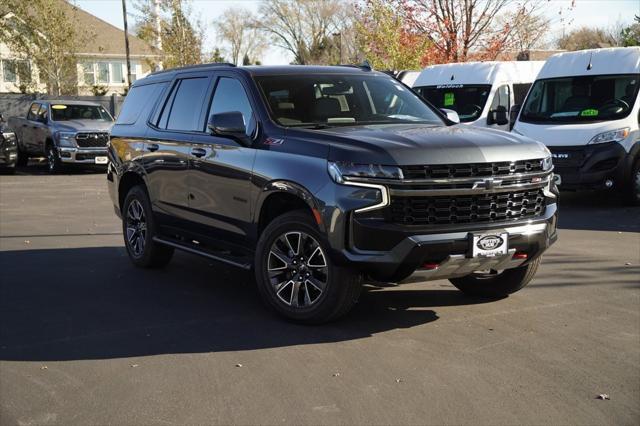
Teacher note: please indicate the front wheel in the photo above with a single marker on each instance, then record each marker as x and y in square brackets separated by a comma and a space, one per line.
[54, 165]
[295, 275]
[497, 284]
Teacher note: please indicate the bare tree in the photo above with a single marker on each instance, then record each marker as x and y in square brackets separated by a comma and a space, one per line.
[44, 32]
[528, 29]
[306, 28]
[240, 31]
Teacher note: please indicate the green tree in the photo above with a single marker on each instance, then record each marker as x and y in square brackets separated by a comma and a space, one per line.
[44, 32]
[180, 35]
[630, 36]
[585, 38]
[386, 37]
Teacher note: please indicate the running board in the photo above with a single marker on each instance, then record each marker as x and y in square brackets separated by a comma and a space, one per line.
[218, 257]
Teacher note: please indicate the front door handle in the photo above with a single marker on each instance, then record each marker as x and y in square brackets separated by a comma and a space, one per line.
[198, 152]
[153, 147]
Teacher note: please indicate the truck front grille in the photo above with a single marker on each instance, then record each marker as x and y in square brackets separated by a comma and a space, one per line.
[441, 210]
[92, 140]
[444, 171]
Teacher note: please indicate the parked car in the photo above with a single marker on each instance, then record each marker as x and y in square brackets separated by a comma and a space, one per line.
[481, 93]
[65, 132]
[584, 107]
[8, 148]
[315, 177]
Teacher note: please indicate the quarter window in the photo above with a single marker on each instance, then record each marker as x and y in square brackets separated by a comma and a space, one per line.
[230, 96]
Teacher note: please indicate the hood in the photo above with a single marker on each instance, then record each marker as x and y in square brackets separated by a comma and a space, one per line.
[82, 125]
[552, 134]
[413, 144]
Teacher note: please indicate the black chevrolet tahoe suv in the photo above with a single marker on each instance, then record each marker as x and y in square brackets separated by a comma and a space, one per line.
[318, 178]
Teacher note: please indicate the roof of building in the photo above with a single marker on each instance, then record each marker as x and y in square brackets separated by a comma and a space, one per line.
[108, 40]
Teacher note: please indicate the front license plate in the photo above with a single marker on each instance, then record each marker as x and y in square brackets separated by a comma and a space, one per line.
[490, 244]
[557, 179]
[101, 160]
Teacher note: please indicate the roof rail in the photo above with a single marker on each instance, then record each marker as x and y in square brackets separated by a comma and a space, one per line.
[365, 65]
[205, 65]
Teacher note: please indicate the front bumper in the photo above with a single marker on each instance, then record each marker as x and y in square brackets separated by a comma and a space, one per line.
[451, 250]
[589, 166]
[82, 155]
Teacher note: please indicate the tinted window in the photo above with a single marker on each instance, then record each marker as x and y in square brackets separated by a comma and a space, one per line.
[184, 113]
[33, 111]
[342, 99]
[230, 96]
[467, 100]
[137, 98]
[62, 112]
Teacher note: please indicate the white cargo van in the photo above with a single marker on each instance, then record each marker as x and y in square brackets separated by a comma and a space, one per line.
[584, 107]
[482, 93]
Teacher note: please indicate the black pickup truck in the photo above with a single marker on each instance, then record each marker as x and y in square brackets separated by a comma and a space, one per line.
[318, 177]
[65, 132]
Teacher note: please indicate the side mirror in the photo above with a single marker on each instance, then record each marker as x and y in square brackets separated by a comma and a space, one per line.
[513, 114]
[498, 116]
[451, 115]
[229, 124]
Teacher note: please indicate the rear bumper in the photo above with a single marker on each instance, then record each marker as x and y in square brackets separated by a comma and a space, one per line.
[451, 250]
[86, 156]
[590, 166]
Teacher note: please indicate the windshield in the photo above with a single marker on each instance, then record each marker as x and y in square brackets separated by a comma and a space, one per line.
[322, 100]
[60, 112]
[580, 99]
[467, 100]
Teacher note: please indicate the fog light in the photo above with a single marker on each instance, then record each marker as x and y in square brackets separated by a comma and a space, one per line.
[608, 183]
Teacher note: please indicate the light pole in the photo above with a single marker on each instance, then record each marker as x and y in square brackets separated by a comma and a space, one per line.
[126, 41]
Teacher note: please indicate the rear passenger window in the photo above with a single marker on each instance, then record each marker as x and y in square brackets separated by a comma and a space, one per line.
[182, 111]
[230, 96]
[137, 99]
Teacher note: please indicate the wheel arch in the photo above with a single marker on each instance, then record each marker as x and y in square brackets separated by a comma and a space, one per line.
[279, 197]
[128, 180]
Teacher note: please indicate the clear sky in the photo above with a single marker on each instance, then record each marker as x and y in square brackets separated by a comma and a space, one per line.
[591, 13]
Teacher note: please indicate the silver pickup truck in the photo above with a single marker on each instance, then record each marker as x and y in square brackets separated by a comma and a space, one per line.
[65, 132]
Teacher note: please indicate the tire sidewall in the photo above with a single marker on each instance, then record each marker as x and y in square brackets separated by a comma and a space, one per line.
[292, 222]
[139, 194]
[55, 167]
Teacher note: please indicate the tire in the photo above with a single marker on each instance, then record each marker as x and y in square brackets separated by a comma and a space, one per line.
[634, 185]
[23, 158]
[54, 165]
[138, 230]
[319, 291]
[497, 285]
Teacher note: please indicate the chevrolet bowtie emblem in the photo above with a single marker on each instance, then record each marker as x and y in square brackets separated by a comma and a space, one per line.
[487, 183]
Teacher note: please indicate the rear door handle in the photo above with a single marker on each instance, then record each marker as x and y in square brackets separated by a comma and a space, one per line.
[198, 152]
[153, 147]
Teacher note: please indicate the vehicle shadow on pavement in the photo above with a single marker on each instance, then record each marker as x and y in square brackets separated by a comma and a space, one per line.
[597, 211]
[91, 303]
[38, 167]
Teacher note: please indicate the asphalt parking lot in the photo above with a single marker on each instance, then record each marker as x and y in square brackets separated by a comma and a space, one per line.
[85, 338]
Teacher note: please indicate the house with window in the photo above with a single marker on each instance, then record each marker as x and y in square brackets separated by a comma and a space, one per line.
[101, 61]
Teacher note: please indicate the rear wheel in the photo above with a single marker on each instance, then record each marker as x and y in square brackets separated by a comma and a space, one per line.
[295, 275]
[139, 228]
[497, 284]
[634, 186]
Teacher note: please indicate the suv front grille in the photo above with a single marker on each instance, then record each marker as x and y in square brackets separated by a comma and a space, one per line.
[444, 171]
[92, 140]
[442, 210]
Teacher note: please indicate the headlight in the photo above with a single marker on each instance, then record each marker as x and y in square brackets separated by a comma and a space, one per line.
[339, 170]
[610, 136]
[66, 139]
[9, 138]
[547, 164]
